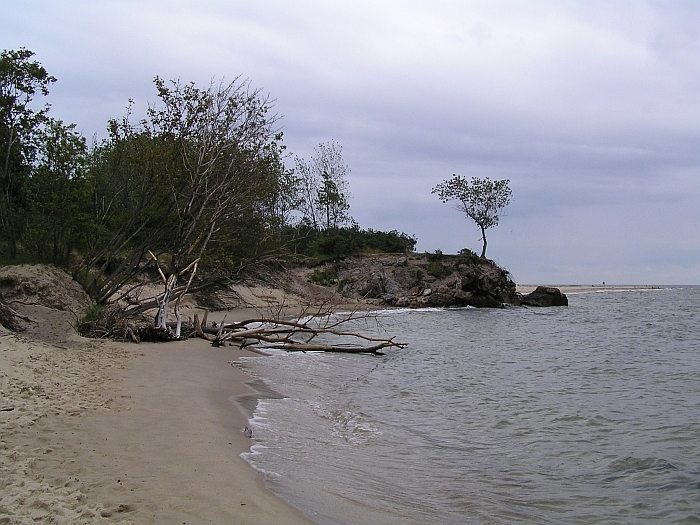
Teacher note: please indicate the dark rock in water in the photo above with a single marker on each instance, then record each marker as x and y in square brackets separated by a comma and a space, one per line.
[438, 300]
[545, 296]
[485, 301]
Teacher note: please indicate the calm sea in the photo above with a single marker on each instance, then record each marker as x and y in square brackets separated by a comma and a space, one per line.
[588, 414]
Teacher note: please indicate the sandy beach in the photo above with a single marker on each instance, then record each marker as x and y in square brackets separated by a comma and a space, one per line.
[103, 432]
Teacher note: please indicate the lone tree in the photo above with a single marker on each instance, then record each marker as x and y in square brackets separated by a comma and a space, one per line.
[480, 199]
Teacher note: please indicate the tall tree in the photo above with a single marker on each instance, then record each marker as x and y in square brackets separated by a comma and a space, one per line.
[178, 181]
[324, 195]
[479, 199]
[21, 79]
[57, 196]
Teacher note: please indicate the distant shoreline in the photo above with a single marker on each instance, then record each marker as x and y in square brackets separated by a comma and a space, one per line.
[586, 288]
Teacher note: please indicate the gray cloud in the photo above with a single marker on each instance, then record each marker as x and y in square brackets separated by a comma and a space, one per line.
[591, 109]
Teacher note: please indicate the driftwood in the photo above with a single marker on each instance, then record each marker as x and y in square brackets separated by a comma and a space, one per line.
[295, 336]
[266, 331]
[171, 291]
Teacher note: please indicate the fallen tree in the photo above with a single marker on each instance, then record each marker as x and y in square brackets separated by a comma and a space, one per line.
[296, 336]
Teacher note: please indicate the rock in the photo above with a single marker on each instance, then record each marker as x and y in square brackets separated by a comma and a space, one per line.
[485, 301]
[404, 302]
[373, 287]
[463, 298]
[406, 276]
[389, 298]
[438, 300]
[391, 287]
[413, 281]
[545, 296]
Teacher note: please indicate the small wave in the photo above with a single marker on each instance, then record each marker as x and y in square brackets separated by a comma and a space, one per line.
[353, 427]
[249, 457]
[631, 465]
[598, 421]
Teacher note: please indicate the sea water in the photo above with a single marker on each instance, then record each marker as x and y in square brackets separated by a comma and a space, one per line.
[586, 414]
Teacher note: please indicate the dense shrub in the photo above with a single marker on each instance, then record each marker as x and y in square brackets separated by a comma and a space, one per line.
[438, 269]
[341, 242]
[324, 277]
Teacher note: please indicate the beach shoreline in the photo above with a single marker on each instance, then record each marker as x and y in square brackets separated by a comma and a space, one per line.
[104, 432]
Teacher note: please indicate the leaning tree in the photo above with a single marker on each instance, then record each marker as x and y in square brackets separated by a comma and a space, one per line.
[167, 188]
[479, 199]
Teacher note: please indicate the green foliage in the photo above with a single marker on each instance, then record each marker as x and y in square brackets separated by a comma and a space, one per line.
[201, 170]
[57, 194]
[200, 177]
[479, 199]
[468, 256]
[437, 255]
[92, 314]
[324, 277]
[438, 269]
[21, 79]
[342, 242]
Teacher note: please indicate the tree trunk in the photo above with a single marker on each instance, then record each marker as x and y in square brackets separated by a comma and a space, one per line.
[178, 318]
[483, 238]
[164, 302]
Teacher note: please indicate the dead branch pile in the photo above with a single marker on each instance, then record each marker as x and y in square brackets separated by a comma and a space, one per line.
[295, 336]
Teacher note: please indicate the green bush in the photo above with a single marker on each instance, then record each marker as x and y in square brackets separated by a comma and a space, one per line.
[93, 313]
[324, 277]
[342, 242]
[437, 269]
[467, 255]
[435, 256]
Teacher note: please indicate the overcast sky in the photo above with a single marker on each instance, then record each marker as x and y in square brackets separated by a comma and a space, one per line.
[590, 108]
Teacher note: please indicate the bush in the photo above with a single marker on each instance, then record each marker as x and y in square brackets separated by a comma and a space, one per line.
[437, 269]
[324, 277]
[342, 242]
[436, 256]
[469, 256]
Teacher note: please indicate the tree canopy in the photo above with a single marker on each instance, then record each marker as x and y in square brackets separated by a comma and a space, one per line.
[479, 199]
[199, 181]
[21, 80]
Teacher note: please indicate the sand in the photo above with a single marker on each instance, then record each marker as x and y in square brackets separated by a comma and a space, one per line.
[103, 432]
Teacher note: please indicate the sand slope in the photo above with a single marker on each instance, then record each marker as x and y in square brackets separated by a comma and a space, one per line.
[100, 432]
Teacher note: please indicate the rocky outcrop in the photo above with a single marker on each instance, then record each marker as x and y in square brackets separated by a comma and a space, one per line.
[545, 296]
[421, 280]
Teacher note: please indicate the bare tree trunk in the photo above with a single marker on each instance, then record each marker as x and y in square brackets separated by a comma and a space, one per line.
[483, 238]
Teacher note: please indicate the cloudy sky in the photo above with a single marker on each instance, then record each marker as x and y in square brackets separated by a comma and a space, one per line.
[590, 108]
